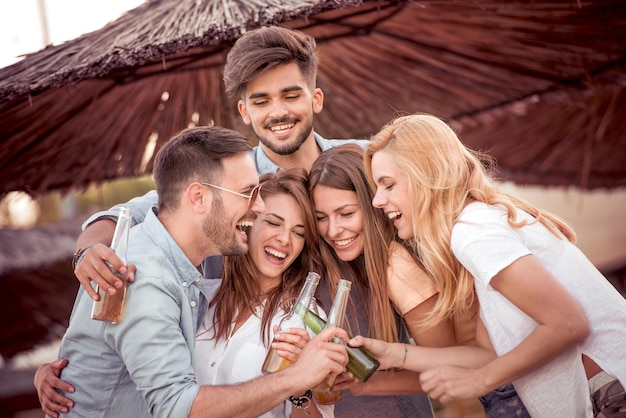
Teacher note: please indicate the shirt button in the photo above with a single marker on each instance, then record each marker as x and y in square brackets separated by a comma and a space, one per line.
[184, 284]
[193, 303]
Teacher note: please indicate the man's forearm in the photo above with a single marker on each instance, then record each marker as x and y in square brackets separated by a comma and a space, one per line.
[99, 232]
[249, 399]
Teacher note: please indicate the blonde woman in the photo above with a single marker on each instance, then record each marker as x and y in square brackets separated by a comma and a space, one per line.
[556, 324]
[358, 242]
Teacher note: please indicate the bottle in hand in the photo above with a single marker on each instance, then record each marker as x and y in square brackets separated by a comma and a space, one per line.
[360, 362]
[295, 319]
[111, 307]
[324, 393]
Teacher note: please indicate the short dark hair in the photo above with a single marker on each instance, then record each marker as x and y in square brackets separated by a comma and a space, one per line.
[194, 154]
[265, 48]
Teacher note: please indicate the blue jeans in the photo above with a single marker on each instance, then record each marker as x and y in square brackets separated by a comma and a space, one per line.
[503, 402]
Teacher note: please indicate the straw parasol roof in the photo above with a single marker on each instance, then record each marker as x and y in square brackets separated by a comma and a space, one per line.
[539, 85]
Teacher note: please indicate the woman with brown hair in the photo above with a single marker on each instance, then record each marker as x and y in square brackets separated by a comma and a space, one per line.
[359, 243]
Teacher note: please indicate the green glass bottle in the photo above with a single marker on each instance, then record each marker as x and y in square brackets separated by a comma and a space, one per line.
[324, 393]
[360, 362]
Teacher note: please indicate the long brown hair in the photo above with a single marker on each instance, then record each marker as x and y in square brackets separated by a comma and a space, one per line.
[342, 168]
[240, 291]
[443, 177]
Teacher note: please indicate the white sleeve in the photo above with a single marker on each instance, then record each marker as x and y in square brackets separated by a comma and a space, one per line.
[484, 243]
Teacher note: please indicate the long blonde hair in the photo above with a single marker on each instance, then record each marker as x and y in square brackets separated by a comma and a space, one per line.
[444, 176]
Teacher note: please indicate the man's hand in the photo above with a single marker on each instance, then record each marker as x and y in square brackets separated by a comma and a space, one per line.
[319, 359]
[46, 380]
[93, 266]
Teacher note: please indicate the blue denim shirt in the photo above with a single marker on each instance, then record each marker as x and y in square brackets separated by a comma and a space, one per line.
[143, 366]
[141, 204]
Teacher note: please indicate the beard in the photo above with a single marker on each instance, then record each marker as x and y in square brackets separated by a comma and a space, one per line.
[217, 229]
[286, 147]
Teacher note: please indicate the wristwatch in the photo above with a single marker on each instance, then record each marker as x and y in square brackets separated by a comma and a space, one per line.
[78, 256]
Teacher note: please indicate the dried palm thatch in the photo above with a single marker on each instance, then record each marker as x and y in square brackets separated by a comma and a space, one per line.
[537, 84]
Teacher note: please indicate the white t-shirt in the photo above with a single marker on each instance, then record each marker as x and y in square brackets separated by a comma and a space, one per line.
[484, 242]
[239, 358]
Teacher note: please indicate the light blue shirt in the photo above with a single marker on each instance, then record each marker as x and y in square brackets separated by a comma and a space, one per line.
[265, 165]
[143, 366]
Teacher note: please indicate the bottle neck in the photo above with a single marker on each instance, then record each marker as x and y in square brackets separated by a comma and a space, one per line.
[338, 310]
[303, 302]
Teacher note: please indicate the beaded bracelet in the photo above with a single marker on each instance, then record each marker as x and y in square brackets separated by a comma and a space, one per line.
[302, 402]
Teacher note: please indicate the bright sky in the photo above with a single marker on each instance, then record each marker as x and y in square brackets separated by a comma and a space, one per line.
[21, 28]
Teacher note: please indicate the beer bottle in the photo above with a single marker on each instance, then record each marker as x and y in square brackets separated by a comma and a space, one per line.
[295, 319]
[111, 307]
[324, 393]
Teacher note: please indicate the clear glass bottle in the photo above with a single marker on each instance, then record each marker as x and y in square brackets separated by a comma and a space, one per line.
[324, 393]
[295, 319]
[111, 307]
[360, 362]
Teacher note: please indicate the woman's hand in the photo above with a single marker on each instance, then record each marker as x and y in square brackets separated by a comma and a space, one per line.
[288, 343]
[347, 381]
[451, 383]
[388, 354]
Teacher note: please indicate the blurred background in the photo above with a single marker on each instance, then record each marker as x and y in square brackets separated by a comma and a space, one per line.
[38, 229]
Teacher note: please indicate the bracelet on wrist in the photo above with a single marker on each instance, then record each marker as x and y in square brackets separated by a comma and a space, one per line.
[302, 402]
[406, 349]
[78, 256]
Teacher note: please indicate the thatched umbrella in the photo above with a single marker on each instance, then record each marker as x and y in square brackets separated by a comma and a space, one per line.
[538, 85]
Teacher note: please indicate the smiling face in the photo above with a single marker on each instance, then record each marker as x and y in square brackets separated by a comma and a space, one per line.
[227, 228]
[277, 237]
[392, 193]
[339, 220]
[279, 105]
